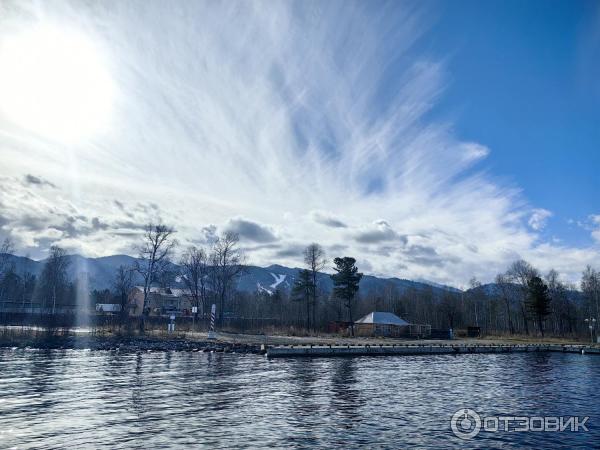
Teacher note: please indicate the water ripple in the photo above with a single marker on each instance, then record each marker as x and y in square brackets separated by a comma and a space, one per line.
[80, 399]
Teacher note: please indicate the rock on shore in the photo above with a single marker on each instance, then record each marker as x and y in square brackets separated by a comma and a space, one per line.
[127, 344]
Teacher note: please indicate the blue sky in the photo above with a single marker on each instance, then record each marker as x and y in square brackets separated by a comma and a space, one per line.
[524, 81]
[438, 140]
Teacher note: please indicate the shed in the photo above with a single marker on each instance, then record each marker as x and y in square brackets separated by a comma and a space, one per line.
[379, 323]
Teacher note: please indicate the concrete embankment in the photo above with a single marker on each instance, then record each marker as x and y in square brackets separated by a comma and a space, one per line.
[392, 350]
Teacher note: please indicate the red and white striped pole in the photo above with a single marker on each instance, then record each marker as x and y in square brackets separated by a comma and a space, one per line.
[211, 330]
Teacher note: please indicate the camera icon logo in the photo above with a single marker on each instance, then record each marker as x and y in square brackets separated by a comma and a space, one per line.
[465, 423]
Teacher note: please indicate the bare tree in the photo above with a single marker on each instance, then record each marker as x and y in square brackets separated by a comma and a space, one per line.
[521, 272]
[54, 274]
[314, 258]
[475, 292]
[194, 273]
[6, 266]
[590, 286]
[505, 292]
[449, 307]
[6, 251]
[301, 292]
[154, 257]
[561, 307]
[227, 261]
[122, 285]
[27, 281]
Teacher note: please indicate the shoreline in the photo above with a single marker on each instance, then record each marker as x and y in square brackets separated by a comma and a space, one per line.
[126, 344]
[280, 345]
[422, 349]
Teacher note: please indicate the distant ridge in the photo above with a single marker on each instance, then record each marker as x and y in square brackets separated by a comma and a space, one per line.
[100, 272]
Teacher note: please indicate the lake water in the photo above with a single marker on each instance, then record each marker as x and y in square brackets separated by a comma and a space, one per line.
[85, 399]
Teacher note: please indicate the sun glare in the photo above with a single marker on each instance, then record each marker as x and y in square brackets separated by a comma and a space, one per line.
[55, 83]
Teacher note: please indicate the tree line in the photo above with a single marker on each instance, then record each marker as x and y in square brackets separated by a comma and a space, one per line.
[520, 301]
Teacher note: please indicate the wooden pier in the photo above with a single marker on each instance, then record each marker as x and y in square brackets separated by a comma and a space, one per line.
[287, 351]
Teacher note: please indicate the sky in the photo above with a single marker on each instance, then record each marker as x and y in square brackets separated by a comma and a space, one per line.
[430, 140]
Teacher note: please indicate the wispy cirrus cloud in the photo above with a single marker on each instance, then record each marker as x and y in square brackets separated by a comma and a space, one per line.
[539, 217]
[236, 116]
[594, 226]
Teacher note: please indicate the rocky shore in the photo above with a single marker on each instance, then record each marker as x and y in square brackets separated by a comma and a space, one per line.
[227, 342]
[127, 344]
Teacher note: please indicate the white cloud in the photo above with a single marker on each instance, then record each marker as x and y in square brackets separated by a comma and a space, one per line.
[474, 151]
[591, 224]
[379, 231]
[232, 110]
[539, 217]
[595, 219]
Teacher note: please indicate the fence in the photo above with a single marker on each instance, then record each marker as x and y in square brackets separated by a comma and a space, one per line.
[95, 321]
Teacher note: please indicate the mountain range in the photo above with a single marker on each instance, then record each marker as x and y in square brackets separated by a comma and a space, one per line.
[101, 271]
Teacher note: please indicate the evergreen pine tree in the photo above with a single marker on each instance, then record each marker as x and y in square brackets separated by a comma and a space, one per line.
[302, 291]
[345, 283]
[538, 300]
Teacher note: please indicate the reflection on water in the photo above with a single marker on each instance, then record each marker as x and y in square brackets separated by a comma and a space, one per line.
[79, 399]
[346, 399]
